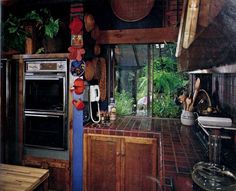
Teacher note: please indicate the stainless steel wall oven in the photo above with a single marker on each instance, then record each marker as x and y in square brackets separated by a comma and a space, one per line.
[45, 107]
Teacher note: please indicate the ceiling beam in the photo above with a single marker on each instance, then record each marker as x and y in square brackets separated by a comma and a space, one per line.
[138, 36]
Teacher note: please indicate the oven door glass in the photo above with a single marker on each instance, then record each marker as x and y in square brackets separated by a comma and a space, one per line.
[46, 131]
[45, 93]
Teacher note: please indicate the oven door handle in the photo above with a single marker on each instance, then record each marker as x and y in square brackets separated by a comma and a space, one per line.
[42, 78]
[36, 115]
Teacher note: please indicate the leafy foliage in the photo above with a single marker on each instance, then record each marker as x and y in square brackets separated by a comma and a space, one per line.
[124, 103]
[14, 33]
[142, 87]
[165, 107]
[167, 82]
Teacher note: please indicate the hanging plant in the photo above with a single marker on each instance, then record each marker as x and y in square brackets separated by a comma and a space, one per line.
[14, 31]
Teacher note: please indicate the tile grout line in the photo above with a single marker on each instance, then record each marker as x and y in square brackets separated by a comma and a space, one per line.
[174, 153]
[185, 152]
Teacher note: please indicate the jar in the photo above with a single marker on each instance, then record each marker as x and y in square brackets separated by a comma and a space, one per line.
[187, 118]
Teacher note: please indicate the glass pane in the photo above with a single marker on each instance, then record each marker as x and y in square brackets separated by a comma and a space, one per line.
[44, 131]
[147, 81]
[131, 75]
[44, 94]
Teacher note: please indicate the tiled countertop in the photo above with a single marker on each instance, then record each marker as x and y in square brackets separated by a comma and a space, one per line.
[126, 126]
[180, 149]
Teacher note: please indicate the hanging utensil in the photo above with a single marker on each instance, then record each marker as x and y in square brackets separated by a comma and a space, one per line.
[188, 103]
[182, 100]
[196, 89]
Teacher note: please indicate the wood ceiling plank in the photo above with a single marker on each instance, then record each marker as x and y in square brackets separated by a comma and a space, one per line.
[138, 36]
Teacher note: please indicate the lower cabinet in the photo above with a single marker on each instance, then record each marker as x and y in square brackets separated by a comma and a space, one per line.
[59, 171]
[117, 163]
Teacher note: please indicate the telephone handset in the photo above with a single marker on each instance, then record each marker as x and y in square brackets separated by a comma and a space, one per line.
[94, 93]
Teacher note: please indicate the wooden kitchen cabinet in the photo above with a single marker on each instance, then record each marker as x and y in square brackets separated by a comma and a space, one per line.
[116, 163]
[59, 171]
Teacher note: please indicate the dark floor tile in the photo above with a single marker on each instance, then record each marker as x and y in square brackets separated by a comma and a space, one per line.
[168, 188]
[181, 159]
[184, 170]
[170, 168]
[180, 154]
[169, 162]
[182, 164]
[168, 181]
[168, 152]
[169, 158]
[183, 183]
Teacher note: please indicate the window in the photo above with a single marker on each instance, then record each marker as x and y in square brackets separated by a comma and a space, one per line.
[145, 80]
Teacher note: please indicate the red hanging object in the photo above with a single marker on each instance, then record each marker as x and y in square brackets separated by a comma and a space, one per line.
[79, 104]
[76, 26]
[79, 86]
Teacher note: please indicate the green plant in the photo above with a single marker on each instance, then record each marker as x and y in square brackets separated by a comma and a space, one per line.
[167, 82]
[164, 106]
[124, 103]
[14, 28]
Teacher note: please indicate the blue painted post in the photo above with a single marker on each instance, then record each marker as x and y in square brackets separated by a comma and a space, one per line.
[77, 159]
[77, 152]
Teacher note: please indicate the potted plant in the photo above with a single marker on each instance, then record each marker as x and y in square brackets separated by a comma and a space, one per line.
[15, 30]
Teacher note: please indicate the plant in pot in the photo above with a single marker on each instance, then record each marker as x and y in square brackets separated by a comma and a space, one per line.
[16, 29]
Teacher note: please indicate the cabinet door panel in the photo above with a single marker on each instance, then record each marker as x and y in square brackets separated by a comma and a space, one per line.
[139, 164]
[103, 163]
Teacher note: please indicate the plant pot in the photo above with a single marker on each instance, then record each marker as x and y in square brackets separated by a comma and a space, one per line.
[52, 45]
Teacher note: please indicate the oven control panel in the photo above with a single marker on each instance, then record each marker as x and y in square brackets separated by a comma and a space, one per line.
[46, 66]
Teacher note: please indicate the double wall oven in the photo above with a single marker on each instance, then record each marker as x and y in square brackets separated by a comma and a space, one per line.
[45, 104]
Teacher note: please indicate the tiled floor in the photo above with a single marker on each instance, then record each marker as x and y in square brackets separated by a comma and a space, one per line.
[181, 150]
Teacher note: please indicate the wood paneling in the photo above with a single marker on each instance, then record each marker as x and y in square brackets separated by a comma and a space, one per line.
[20, 107]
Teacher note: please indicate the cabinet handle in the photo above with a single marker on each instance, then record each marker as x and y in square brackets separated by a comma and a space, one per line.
[117, 153]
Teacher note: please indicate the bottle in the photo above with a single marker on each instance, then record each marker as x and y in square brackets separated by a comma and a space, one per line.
[111, 105]
[112, 109]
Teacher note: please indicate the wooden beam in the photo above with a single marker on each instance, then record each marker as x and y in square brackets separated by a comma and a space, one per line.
[138, 36]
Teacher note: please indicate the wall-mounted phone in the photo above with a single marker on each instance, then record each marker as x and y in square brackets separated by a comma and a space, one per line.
[92, 94]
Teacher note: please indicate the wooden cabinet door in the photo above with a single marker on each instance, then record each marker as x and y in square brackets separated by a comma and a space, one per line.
[101, 163]
[139, 164]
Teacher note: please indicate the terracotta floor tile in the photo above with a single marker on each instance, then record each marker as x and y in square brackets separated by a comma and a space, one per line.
[170, 168]
[169, 162]
[183, 183]
[169, 158]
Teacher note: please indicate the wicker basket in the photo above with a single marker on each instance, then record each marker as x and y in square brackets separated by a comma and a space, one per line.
[131, 10]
